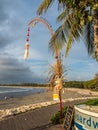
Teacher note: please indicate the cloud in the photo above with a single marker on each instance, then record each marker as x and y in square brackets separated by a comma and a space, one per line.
[14, 71]
[3, 12]
[85, 69]
[10, 23]
[13, 23]
[13, 28]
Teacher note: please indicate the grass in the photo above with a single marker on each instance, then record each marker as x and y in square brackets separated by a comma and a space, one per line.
[92, 102]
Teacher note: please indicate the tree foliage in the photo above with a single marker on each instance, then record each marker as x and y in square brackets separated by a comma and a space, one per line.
[90, 84]
[76, 17]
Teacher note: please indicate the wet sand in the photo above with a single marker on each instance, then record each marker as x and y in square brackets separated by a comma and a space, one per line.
[44, 97]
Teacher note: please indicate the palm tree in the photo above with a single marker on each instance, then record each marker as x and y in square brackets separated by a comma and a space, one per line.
[78, 16]
[95, 14]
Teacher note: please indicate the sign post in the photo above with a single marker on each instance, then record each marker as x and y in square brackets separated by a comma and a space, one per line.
[68, 118]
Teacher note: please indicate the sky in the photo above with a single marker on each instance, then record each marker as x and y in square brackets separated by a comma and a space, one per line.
[14, 19]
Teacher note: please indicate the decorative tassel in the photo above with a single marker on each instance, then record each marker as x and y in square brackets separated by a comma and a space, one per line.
[26, 54]
[26, 51]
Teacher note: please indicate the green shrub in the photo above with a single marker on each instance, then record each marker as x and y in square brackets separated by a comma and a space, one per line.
[55, 119]
[93, 102]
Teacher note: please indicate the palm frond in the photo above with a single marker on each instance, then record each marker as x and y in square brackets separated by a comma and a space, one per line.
[62, 16]
[68, 32]
[59, 39]
[69, 43]
[61, 4]
[74, 12]
[75, 32]
[44, 6]
[89, 42]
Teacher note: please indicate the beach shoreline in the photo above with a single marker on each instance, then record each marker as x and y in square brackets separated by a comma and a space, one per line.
[13, 106]
[14, 92]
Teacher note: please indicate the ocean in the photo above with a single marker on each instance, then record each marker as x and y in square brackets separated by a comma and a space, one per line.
[12, 92]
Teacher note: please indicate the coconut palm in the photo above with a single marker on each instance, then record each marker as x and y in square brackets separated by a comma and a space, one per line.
[78, 17]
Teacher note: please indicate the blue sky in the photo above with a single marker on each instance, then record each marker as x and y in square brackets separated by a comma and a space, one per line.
[14, 19]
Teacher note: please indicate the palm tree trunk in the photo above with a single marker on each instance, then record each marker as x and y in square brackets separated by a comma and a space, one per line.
[96, 33]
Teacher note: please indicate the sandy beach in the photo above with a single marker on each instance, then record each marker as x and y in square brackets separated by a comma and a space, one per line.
[22, 104]
[28, 105]
[44, 97]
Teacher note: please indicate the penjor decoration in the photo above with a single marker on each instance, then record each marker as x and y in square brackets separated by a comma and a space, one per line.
[58, 80]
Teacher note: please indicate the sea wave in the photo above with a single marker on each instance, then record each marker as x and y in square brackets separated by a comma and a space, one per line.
[8, 92]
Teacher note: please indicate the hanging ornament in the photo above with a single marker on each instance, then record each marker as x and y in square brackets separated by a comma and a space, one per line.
[28, 29]
[57, 88]
[28, 34]
[27, 40]
[27, 45]
[58, 83]
[26, 51]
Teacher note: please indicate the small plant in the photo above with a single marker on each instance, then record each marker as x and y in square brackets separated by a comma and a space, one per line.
[55, 119]
[93, 102]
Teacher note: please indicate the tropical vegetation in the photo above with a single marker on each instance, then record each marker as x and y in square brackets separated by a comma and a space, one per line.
[25, 84]
[55, 118]
[90, 84]
[92, 102]
[78, 17]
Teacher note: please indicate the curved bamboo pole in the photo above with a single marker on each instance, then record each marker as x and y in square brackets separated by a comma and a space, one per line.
[32, 23]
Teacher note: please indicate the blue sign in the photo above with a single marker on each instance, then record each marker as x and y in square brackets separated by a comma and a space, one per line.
[84, 121]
